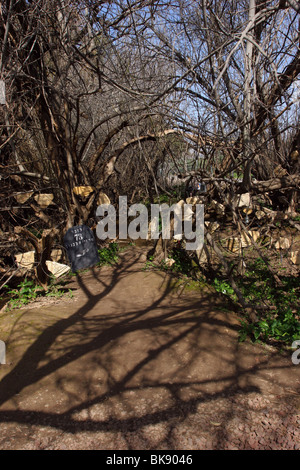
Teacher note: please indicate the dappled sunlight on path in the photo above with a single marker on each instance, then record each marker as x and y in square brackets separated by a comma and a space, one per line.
[131, 363]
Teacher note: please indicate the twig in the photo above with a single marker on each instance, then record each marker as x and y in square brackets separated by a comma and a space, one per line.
[10, 277]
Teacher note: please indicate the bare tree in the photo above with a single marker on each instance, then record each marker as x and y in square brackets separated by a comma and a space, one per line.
[237, 62]
[81, 94]
[106, 98]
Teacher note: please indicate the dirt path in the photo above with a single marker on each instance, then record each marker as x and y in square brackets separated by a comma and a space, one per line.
[130, 363]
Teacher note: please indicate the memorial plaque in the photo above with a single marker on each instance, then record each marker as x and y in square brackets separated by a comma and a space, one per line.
[81, 247]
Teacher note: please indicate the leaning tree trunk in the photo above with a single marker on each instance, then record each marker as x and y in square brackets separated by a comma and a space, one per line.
[43, 248]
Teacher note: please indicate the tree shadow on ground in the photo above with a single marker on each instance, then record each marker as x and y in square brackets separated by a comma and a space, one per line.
[122, 364]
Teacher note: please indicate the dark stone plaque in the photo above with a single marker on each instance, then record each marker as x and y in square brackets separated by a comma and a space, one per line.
[81, 247]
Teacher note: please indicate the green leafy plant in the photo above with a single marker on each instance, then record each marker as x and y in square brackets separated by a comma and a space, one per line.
[28, 291]
[150, 264]
[56, 291]
[223, 287]
[280, 319]
[184, 263]
[279, 305]
[108, 255]
[284, 328]
[162, 198]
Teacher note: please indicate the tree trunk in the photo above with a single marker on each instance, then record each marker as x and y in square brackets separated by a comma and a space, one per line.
[247, 102]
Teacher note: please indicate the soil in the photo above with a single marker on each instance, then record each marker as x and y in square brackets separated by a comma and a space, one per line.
[135, 362]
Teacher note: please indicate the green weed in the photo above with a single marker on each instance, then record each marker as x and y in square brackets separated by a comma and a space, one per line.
[108, 255]
[280, 320]
[28, 291]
